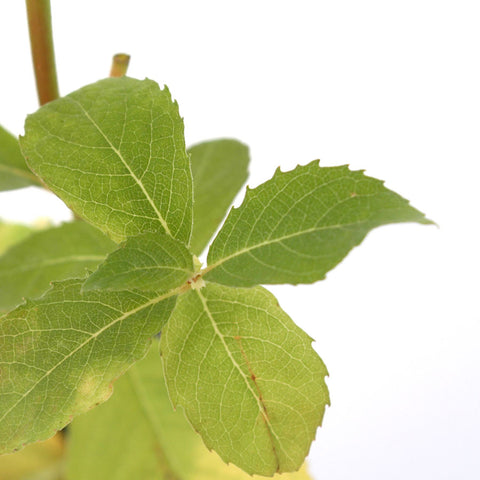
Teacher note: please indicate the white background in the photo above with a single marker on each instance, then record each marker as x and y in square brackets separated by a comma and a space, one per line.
[392, 87]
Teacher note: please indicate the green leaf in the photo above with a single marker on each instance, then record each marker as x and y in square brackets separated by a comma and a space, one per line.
[148, 262]
[297, 226]
[60, 354]
[12, 233]
[14, 172]
[247, 376]
[27, 269]
[151, 440]
[114, 152]
[219, 169]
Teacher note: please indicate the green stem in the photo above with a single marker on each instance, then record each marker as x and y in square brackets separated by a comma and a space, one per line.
[119, 65]
[41, 42]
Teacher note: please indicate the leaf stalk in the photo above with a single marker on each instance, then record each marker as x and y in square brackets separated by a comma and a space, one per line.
[41, 43]
[120, 63]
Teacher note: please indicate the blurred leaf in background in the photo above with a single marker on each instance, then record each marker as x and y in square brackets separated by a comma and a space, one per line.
[11, 233]
[14, 172]
[38, 461]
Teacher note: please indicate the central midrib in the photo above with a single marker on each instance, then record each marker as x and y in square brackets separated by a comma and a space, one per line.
[275, 240]
[261, 408]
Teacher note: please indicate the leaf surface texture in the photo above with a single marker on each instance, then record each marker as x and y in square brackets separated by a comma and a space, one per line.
[246, 375]
[148, 262]
[114, 151]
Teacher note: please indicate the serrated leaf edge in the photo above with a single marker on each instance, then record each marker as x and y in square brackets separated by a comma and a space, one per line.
[278, 172]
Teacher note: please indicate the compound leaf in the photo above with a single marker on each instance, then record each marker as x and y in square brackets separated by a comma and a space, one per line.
[148, 262]
[219, 169]
[60, 354]
[14, 172]
[28, 268]
[297, 226]
[151, 441]
[246, 375]
[114, 151]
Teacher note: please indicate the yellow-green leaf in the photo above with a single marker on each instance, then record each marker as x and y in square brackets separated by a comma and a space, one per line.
[39, 461]
[12, 233]
[60, 354]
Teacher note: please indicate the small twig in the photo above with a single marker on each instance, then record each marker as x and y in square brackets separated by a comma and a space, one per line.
[119, 65]
[41, 42]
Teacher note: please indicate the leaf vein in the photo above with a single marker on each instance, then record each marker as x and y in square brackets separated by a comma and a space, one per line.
[125, 163]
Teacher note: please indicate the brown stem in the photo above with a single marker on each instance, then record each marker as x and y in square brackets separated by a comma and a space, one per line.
[119, 65]
[41, 42]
